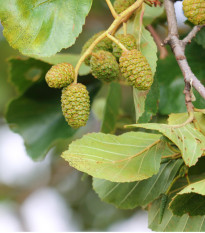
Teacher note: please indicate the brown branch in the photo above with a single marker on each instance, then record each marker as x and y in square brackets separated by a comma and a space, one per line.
[192, 34]
[163, 51]
[178, 47]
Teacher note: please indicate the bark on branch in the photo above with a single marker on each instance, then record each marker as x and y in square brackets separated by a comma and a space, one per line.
[178, 47]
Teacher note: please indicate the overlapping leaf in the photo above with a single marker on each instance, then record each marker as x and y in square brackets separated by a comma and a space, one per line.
[111, 108]
[36, 113]
[129, 157]
[151, 13]
[43, 28]
[189, 140]
[173, 223]
[151, 103]
[131, 195]
[149, 50]
[190, 200]
[139, 101]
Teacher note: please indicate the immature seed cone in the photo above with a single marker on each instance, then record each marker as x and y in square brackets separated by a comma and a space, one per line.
[122, 5]
[75, 103]
[104, 66]
[194, 10]
[128, 41]
[105, 44]
[60, 75]
[135, 68]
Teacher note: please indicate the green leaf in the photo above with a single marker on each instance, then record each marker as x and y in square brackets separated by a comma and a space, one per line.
[151, 13]
[131, 195]
[111, 108]
[173, 223]
[139, 101]
[190, 200]
[149, 50]
[151, 103]
[200, 37]
[37, 117]
[180, 117]
[43, 28]
[36, 113]
[129, 157]
[70, 58]
[200, 118]
[171, 80]
[189, 140]
[26, 72]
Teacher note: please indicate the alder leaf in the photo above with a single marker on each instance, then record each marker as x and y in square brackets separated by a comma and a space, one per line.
[141, 193]
[129, 157]
[189, 140]
[43, 28]
[173, 223]
[111, 108]
[190, 200]
[200, 37]
[139, 101]
[180, 117]
[151, 103]
[151, 13]
[36, 112]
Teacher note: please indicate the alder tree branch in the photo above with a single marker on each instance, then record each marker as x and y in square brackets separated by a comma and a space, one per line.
[121, 18]
[178, 47]
[192, 34]
[114, 13]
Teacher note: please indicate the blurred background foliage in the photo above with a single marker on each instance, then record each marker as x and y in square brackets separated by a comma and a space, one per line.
[34, 112]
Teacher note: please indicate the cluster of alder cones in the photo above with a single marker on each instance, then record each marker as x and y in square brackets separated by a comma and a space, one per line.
[108, 62]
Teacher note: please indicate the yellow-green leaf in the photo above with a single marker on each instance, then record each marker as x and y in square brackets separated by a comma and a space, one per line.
[43, 28]
[129, 157]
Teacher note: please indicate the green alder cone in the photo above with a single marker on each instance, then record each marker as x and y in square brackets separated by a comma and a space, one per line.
[104, 66]
[105, 44]
[60, 75]
[136, 70]
[75, 103]
[194, 10]
[122, 5]
[128, 41]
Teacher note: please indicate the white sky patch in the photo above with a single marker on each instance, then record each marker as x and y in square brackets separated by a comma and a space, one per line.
[46, 211]
[16, 168]
[8, 220]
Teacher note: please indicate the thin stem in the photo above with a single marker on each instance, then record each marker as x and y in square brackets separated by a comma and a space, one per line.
[199, 110]
[172, 148]
[188, 121]
[187, 178]
[117, 42]
[192, 34]
[178, 189]
[125, 28]
[114, 13]
[113, 27]
[87, 52]
[178, 47]
[171, 185]
[175, 156]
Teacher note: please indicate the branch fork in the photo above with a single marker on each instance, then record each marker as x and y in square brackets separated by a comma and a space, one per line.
[178, 47]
